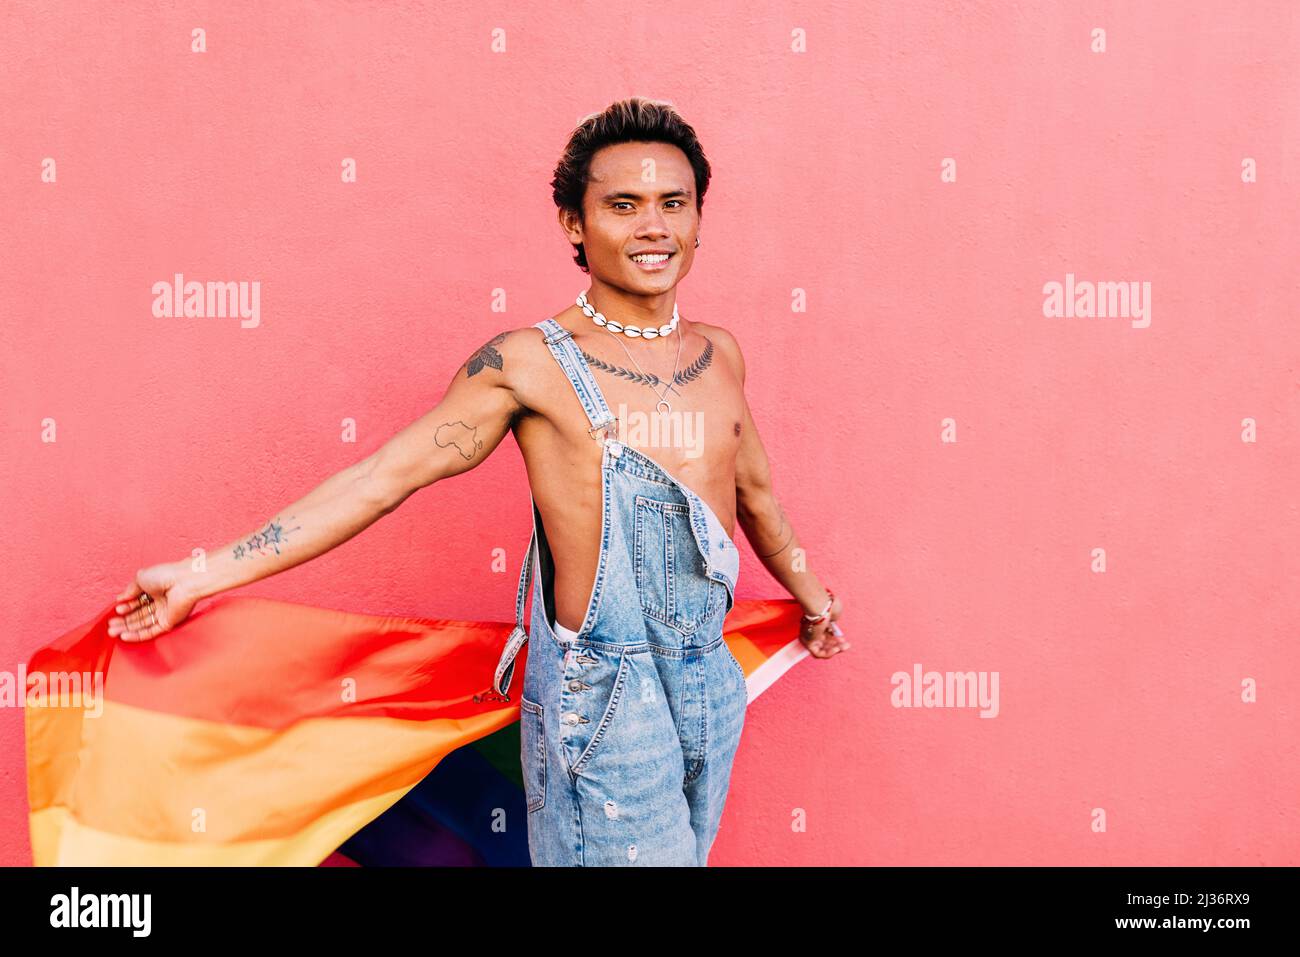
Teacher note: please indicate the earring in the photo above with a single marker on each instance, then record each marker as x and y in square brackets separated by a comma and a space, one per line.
[697, 242]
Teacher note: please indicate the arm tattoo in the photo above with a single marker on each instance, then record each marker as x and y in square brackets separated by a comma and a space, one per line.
[464, 438]
[484, 356]
[787, 538]
[689, 374]
[270, 537]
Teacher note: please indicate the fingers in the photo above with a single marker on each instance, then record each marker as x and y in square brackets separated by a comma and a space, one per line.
[826, 650]
[131, 599]
[137, 613]
[128, 613]
[826, 641]
[145, 622]
[146, 635]
[143, 633]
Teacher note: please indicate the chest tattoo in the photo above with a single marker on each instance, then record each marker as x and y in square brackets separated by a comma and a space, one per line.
[683, 376]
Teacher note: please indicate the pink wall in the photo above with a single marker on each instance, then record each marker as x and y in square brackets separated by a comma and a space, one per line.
[1119, 690]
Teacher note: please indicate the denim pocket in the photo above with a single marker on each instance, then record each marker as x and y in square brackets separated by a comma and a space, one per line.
[532, 752]
[740, 669]
[589, 701]
[670, 578]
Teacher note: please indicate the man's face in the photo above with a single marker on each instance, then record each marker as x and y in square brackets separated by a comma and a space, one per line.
[640, 196]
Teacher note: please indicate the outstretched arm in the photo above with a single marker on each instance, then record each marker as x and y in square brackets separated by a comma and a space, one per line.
[774, 540]
[461, 431]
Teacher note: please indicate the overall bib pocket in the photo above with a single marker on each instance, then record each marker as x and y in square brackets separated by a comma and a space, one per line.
[532, 748]
[670, 578]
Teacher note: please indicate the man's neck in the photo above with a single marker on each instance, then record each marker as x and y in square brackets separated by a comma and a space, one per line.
[644, 312]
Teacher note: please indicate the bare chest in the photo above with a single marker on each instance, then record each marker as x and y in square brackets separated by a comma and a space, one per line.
[687, 420]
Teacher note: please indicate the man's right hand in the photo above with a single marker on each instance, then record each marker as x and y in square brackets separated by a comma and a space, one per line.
[158, 600]
[473, 416]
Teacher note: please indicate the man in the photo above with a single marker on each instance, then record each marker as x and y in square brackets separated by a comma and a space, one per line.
[641, 456]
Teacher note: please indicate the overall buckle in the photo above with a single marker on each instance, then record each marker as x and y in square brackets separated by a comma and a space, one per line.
[611, 421]
[506, 664]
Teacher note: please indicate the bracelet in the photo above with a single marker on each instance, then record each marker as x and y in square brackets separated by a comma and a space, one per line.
[830, 600]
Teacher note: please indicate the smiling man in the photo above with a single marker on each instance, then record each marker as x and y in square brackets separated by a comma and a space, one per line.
[642, 457]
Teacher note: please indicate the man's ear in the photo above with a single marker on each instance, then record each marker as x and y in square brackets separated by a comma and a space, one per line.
[571, 223]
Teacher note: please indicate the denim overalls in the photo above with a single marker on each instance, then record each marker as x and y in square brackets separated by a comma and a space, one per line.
[628, 732]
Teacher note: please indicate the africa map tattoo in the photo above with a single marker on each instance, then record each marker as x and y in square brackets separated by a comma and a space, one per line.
[273, 536]
[689, 374]
[485, 356]
[463, 438]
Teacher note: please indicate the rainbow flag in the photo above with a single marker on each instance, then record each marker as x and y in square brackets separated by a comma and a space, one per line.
[263, 732]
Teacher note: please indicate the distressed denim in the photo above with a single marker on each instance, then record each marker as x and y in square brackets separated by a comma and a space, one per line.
[629, 731]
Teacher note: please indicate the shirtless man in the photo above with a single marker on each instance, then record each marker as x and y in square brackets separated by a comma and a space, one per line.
[656, 521]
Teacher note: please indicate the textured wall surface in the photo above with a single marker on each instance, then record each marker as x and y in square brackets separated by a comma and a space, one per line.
[1101, 511]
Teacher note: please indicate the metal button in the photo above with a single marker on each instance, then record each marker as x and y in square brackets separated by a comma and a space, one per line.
[575, 685]
[571, 718]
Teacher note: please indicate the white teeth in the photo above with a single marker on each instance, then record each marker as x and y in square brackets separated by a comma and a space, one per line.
[652, 258]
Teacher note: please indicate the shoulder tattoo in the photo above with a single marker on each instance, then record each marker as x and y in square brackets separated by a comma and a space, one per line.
[484, 356]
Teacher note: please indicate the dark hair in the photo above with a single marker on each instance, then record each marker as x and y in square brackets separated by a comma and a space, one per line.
[628, 121]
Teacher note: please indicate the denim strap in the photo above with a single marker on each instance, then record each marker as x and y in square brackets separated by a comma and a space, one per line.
[566, 352]
[560, 341]
[518, 635]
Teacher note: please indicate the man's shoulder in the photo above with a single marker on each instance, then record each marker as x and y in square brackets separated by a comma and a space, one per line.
[716, 333]
[725, 342]
[517, 358]
[519, 340]
[503, 354]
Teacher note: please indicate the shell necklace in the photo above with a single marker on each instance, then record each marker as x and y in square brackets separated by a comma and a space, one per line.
[648, 334]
